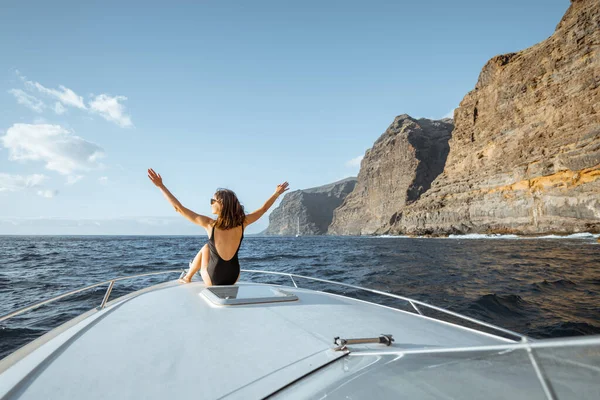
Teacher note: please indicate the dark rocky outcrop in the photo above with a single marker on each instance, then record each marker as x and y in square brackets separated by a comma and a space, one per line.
[310, 209]
[395, 172]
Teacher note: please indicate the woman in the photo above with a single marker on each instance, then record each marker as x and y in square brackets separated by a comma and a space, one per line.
[218, 259]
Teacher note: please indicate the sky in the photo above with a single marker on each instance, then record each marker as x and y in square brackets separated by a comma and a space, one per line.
[241, 95]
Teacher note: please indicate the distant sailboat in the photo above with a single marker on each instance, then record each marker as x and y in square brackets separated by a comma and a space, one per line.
[298, 230]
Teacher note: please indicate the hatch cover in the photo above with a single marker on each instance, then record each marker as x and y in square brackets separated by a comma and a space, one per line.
[234, 295]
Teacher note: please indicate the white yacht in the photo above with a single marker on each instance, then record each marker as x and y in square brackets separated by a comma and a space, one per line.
[255, 341]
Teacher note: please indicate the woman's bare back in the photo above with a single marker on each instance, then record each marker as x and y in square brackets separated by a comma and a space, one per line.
[226, 241]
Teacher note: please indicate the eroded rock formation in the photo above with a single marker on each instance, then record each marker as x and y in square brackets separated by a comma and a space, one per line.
[399, 167]
[525, 152]
[308, 211]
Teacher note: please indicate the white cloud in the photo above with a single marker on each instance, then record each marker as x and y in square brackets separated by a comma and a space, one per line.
[71, 179]
[108, 107]
[355, 162]
[60, 149]
[103, 180]
[13, 183]
[28, 100]
[111, 110]
[59, 108]
[47, 193]
[64, 95]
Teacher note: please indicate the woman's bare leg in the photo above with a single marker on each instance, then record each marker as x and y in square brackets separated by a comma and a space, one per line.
[204, 265]
[205, 277]
[196, 262]
[200, 262]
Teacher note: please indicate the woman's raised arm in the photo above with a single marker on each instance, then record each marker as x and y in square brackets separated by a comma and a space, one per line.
[254, 216]
[201, 220]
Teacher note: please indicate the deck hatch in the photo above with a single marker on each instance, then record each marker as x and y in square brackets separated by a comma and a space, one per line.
[246, 294]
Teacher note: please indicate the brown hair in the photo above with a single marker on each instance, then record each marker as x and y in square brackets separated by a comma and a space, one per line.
[232, 212]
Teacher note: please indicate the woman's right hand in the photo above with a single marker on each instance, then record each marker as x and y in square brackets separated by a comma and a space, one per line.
[154, 177]
[282, 188]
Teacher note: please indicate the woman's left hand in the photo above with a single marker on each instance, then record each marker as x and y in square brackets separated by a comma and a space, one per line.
[282, 188]
[154, 177]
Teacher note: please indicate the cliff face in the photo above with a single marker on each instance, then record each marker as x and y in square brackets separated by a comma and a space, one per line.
[399, 167]
[525, 152]
[311, 209]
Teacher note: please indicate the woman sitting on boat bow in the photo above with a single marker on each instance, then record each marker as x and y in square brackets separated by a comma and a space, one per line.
[218, 259]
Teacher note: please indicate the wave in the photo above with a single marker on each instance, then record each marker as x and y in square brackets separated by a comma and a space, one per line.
[30, 257]
[510, 305]
[4, 281]
[558, 284]
[11, 338]
[276, 257]
[483, 236]
[563, 329]
[394, 236]
[8, 332]
[583, 235]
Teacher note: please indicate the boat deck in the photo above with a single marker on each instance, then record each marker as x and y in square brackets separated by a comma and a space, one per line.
[172, 342]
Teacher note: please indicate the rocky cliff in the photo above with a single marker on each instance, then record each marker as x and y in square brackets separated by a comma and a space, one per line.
[525, 152]
[310, 209]
[395, 172]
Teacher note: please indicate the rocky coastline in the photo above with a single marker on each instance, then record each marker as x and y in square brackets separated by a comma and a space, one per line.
[521, 155]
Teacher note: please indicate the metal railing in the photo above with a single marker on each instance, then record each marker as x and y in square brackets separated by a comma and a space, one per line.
[525, 342]
[110, 283]
[412, 302]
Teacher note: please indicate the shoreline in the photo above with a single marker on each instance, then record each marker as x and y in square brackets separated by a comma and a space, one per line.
[473, 236]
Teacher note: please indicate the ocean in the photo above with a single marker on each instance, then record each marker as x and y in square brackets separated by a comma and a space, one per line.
[544, 287]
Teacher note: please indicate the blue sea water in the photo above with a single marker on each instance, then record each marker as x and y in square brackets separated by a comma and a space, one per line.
[539, 287]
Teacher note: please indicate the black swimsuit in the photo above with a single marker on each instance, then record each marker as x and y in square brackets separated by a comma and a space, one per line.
[223, 272]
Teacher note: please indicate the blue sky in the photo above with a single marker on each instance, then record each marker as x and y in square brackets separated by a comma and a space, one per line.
[235, 94]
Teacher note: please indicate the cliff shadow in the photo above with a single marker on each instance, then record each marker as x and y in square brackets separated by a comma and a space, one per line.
[431, 146]
[320, 208]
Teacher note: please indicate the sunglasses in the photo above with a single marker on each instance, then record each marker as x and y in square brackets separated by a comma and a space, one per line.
[213, 201]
